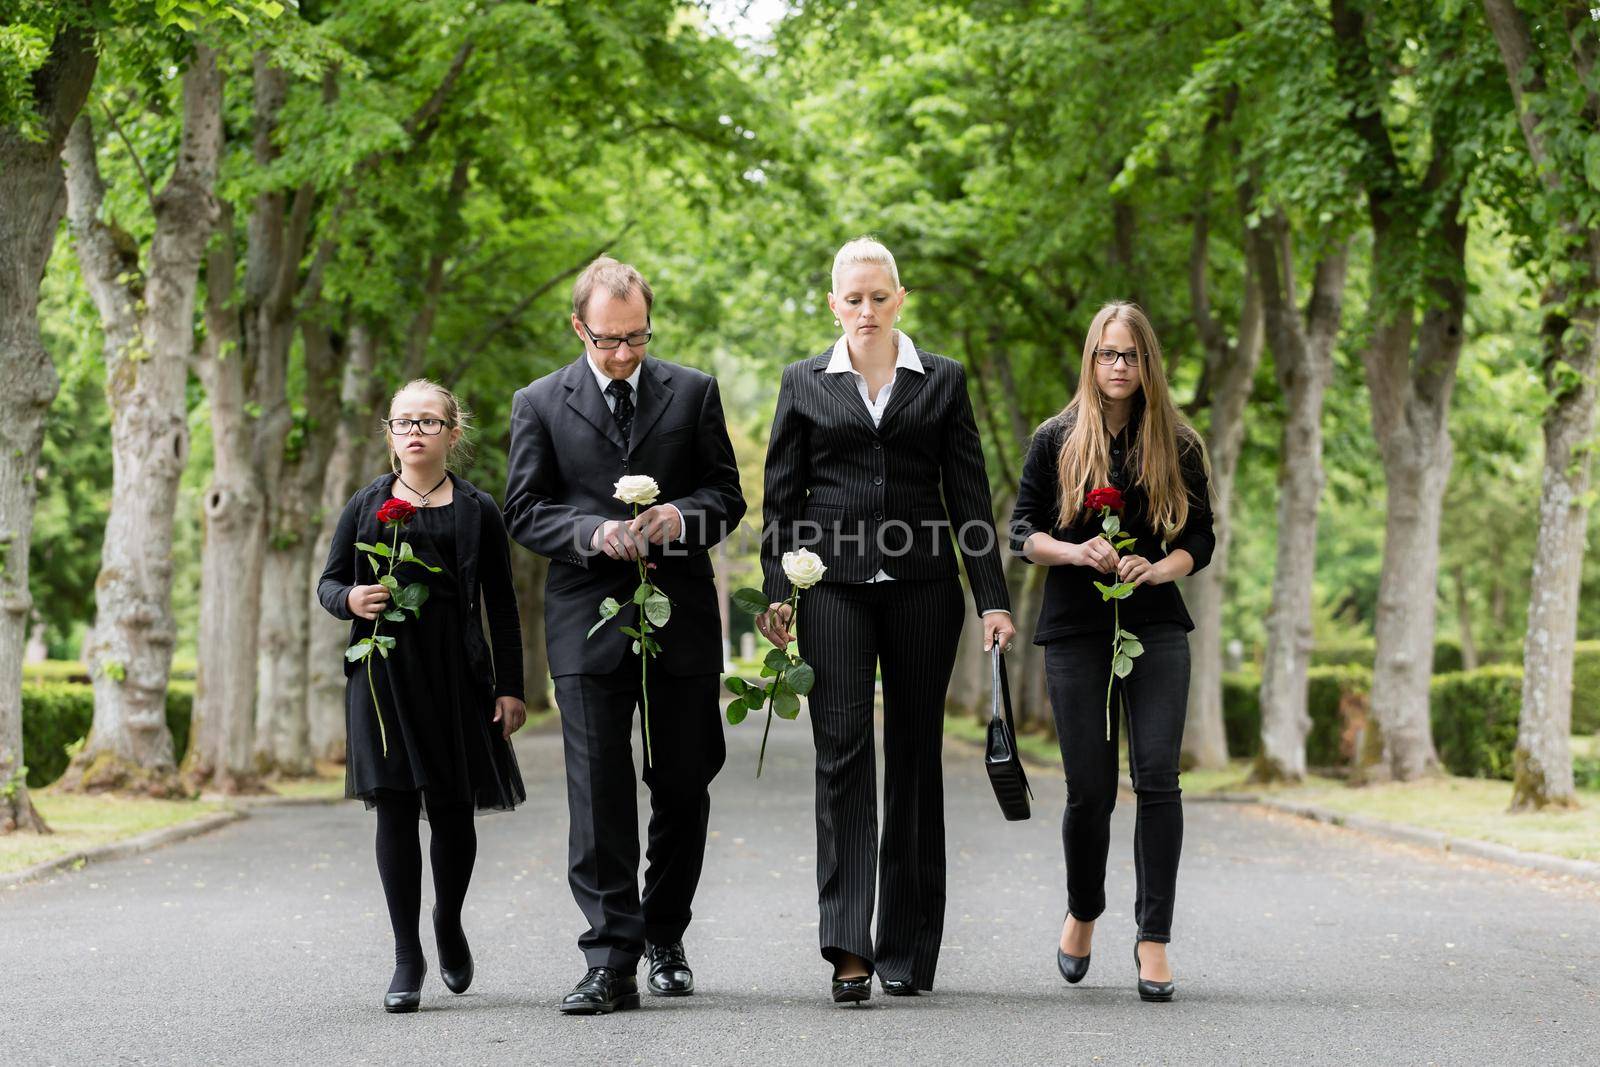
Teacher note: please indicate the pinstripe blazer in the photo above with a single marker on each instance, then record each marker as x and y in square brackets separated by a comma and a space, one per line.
[898, 496]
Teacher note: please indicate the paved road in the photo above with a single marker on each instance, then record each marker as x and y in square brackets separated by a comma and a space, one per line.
[267, 942]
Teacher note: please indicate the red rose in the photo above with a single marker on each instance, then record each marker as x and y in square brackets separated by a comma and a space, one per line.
[1104, 498]
[397, 511]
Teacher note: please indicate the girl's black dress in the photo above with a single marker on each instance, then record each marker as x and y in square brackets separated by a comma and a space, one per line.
[437, 709]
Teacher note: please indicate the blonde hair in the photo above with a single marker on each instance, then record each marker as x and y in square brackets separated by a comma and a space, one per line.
[864, 250]
[455, 412]
[618, 279]
[1085, 459]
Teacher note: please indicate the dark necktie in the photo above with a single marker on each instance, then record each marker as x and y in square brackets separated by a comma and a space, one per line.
[623, 412]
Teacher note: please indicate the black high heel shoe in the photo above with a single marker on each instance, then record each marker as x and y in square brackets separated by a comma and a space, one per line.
[407, 1000]
[852, 990]
[1072, 968]
[456, 979]
[1152, 991]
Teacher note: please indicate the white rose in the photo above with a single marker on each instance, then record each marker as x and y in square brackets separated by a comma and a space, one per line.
[804, 568]
[637, 489]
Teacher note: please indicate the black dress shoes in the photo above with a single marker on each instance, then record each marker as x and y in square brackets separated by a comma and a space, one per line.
[456, 979]
[406, 1000]
[1072, 968]
[670, 975]
[602, 991]
[852, 990]
[899, 987]
[1156, 991]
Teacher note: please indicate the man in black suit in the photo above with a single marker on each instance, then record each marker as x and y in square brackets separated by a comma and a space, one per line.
[574, 433]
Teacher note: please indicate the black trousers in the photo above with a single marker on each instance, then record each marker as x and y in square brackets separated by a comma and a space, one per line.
[909, 629]
[597, 712]
[1156, 697]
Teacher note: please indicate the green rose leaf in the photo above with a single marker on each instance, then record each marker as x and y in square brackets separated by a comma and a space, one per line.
[658, 608]
[411, 597]
[1126, 636]
[405, 553]
[376, 566]
[756, 699]
[379, 549]
[801, 677]
[632, 632]
[737, 712]
[359, 650]
[1132, 648]
[395, 616]
[1121, 666]
[641, 594]
[776, 659]
[389, 582]
[1111, 526]
[1105, 590]
[636, 648]
[1123, 590]
[785, 704]
[750, 600]
[736, 685]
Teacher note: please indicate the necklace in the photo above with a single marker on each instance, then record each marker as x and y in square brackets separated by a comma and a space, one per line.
[424, 496]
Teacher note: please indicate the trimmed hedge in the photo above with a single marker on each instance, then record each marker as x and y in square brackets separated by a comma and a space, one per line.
[1474, 717]
[1446, 655]
[71, 670]
[1329, 689]
[58, 714]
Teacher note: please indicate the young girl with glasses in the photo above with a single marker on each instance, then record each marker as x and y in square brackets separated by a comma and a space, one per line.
[428, 734]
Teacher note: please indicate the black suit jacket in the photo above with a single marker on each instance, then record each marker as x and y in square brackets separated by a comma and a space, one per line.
[483, 562]
[566, 457]
[891, 497]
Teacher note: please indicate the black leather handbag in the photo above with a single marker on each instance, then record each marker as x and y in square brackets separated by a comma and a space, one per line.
[1000, 754]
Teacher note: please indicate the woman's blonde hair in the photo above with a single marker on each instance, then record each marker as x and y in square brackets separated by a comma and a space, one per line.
[864, 250]
[1085, 459]
[455, 412]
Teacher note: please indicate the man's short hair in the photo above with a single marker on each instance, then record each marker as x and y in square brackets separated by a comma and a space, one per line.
[618, 279]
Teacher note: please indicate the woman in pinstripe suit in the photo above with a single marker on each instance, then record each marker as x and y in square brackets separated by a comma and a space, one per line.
[874, 462]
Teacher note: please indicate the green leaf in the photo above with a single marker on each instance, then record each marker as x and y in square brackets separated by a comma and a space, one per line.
[379, 549]
[359, 650]
[785, 704]
[395, 616]
[405, 553]
[736, 685]
[658, 609]
[641, 594]
[412, 597]
[389, 582]
[776, 659]
[1591, 161]
[1112, 525]
[801, 677]
[384, 651]
[636, 648]
[756, 699]
[632, 631]
[383, 641]
[1105, 590]
[1121, 666]
[750, 600]
[1126, 636]
[603, 620]
[737, 712]
[609, 607]
[376, 566]
[1132, 648]
[1122, 591]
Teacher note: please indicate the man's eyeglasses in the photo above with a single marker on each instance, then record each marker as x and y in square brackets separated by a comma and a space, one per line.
[401, 427]
[1107, 357]
[637, 339]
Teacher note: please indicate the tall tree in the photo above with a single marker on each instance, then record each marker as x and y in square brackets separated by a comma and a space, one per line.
[32, 199]
[1443, 97]
[1552, 81]
[148, 320]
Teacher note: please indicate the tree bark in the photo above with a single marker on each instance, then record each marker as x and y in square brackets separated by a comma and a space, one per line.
[528, 574]
[1302, 352]
[32, 199]
[149, 333]
[220, 737]
[1542, 774]
[1231, 370]
[348, 468]
[1469, 647]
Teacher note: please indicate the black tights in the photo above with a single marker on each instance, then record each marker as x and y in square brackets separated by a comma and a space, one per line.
[453, 848]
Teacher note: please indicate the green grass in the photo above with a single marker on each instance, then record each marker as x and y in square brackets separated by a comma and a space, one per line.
[81, 821]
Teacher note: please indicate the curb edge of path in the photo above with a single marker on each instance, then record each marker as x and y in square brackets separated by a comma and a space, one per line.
[1587, 870]
[240, 808]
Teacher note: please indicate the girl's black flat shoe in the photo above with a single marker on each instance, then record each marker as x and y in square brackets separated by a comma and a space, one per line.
[456, 979]
[408, 1000]
[1153, 991]
[1072, 968]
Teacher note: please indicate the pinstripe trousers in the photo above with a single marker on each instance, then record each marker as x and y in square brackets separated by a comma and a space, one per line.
[847, 631]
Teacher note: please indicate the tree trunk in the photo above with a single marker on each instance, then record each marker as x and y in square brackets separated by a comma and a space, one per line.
[528, 572]
[221, 735]
[1542, 775]
[149, 335]
[32, 198]
[1302, 352]
[1231, 371]
[1469, 647]
[347, 470]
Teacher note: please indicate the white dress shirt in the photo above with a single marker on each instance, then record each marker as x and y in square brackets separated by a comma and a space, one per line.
[603, 380]
[906, 358]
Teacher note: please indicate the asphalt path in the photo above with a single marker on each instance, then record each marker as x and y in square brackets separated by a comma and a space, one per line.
[267, 941]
